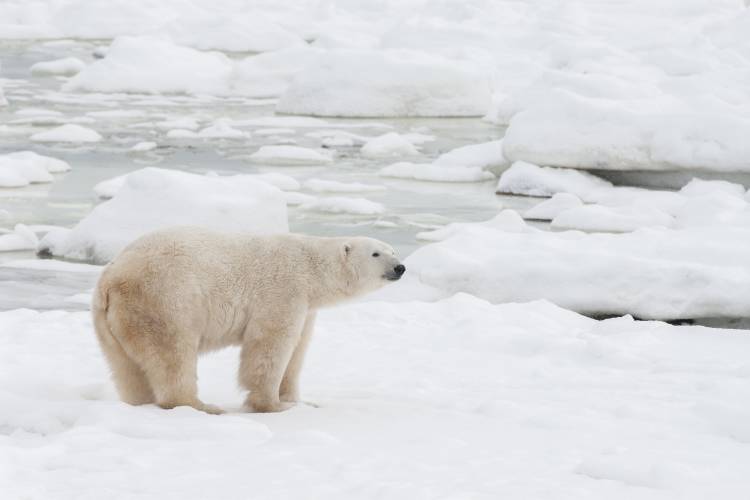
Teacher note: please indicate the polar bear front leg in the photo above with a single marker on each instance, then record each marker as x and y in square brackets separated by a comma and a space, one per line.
[265, 355]
[289, 390]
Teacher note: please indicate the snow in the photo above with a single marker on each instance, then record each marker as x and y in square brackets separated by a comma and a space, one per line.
[67, 66]
[68, 133]
[408, 406]
[486, 155]
[323, 185]
[345, 205]
[109, 187]
[435, 173]
[422, 390]
[616, 219]
[21, 238]
[153, 198]
[289, 155]
[151, 65]
[360, 83]
[222, 130]
[532, 180]
[144, 146]
[549, 209]
[230, 32]
[269, 74]
[701, 187]
[389, 144]
[660, 273]
[25, 167]
[588, 133]
[181, 133]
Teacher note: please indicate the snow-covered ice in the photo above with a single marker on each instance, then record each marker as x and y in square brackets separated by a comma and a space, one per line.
[459, 399]
[153, 198]
[25, 167]
[289, 155]
[323, 185]
[654, 272]
[487, 155]
[67, 66]
[153, 64]
[344, 205]
[144, 146]
[614, 219]
[346, 82]
[532, 180]
[68, 133]
[435, 173]
[20, 238]
[549, 209]
[389, 144]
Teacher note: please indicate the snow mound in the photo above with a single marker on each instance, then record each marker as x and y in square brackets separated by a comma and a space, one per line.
[532, 180]
[612, 219]
[390, 144]
[588, 133]
[67, 66]
[154, 198]
[289, 155]
[269, 74]
[21, 238]
[487, 155]
[108, 188]
[549, 209]
[222, 130]
[383, 83]
[435, 173]
[344, 205]
[26, 167]
[651, 273]
[68, 133]
[154, 65]
[322, 185]
[701, 187]
[229, 32]
[599, 409]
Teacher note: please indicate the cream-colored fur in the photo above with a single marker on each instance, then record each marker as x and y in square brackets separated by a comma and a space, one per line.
[175, 293]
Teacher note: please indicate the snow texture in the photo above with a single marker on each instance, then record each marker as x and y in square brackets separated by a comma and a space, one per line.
[68, 133]
[659, 273]
[408, 407]
[22, 168]
[435, 173]
[289, 155]
[153, 198]
[378, 83]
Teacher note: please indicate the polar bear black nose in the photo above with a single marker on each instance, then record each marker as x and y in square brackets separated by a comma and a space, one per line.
[400, 269]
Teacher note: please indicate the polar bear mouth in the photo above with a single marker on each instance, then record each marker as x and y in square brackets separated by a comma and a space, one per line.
[392, 277]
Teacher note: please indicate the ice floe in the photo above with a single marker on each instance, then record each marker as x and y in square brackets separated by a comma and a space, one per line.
[153, 198]
[68, 133]
[379, 83]
[26, 167]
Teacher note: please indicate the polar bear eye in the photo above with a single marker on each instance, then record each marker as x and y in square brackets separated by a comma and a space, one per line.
[376, 254]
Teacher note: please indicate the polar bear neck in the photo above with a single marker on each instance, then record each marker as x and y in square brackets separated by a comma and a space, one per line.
[331, 279]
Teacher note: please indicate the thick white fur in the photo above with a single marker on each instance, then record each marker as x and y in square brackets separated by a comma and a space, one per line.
[175, 293]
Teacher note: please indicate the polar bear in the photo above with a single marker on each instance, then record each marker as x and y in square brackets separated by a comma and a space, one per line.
[178, 292]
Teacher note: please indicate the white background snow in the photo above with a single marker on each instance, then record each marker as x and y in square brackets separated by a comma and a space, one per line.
[552, 173]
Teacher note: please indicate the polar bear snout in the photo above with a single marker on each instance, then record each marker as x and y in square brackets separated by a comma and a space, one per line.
[396, 273]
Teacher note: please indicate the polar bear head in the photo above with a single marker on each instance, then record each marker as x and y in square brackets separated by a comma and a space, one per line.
[371, 263]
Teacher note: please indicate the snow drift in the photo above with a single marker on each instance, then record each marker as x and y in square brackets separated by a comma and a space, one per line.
[153, 198]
